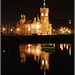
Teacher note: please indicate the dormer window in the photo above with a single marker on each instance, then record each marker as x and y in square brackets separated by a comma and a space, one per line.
[42, 14]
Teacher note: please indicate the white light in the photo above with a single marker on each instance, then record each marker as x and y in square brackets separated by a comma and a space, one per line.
[29, 45]
[11, 29]
[29, 50]
[18, 29]
[42, 62]
[37, 26]
[28, 28]
[46, 14]
[46, 62]
[3, 29]
[37, 50]
[4, 51]
[42, 14]
[69, 31]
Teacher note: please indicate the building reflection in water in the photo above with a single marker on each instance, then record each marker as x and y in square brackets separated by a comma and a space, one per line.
[35, 50]
[66, 46]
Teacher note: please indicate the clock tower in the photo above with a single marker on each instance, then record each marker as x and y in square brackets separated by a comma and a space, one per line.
[44, 14]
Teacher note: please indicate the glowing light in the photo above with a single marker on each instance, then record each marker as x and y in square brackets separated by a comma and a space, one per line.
[18, 29]
[4, 51]
[54, 45]
[46, 14]
[29, 45]
[42, 62]
[64, 45]
[3, 29]
[66, 29]
[67, 46]
[28, 28]
[61, 46]
[63, 31]
[11, 29]
[70, 51]
[69, 22]
[54, 30]
[42, 14]
[46, 62]
[69, 31]
[37, 26]
[37, 51]
[29, 50]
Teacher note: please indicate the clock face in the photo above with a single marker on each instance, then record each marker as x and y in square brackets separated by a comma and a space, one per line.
[46, 14]
[42, 14]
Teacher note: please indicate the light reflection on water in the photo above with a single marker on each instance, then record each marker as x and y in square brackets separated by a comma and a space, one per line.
[67, 46]
[43, 57]
[35, 50]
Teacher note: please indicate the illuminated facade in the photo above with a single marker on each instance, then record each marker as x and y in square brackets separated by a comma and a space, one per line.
[38, 26]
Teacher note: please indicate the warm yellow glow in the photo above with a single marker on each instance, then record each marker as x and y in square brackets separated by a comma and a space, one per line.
[67, 46]
[42, 62]
[61, 29]
[54, 30]
[69, 31]
[29, 45]
[61, 46]
[18, 29]
[3, 29]
[28, 28]
[46, 62]
[11, 29]
[66, 29]
[42, 14]
[46, 14]
[37, 26]
[64, 45]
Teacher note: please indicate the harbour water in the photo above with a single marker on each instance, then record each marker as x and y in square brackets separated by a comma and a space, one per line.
[29, 59]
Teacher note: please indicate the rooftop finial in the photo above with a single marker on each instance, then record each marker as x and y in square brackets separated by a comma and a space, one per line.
[44, 4]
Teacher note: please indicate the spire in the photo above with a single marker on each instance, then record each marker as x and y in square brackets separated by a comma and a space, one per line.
[44, 4]
[38, 18]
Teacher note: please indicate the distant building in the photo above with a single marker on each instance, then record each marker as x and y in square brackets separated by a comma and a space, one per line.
[38, 26]
[61, 23]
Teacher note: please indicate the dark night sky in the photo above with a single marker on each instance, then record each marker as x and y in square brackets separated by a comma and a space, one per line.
[12, 9]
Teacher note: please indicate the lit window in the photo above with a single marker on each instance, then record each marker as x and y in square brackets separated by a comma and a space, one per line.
[42, 62]
[42, 14]
[46, 62]
[46, 14]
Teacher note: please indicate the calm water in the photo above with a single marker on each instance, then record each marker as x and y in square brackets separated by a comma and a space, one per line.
[29, 59]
